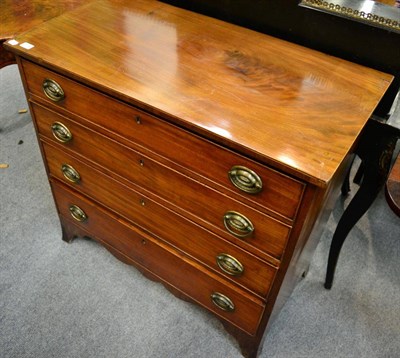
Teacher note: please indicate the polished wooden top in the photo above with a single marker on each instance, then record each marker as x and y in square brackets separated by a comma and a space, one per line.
[22, 15]
[19, 16]
[294, 108]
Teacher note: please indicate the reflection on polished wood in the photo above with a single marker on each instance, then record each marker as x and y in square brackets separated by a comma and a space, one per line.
[20, 16]
[297, 109]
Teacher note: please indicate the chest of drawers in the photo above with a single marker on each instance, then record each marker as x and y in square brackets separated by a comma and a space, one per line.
[192, 149]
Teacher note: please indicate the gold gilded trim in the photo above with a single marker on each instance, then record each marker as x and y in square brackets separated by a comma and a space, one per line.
[348, 11]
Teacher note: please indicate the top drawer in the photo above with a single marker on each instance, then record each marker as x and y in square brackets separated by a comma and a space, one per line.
[250, 180]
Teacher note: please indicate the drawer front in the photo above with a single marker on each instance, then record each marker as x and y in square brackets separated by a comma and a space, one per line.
[279, 193]
[220, 255]
[203, 204]
[162, 261]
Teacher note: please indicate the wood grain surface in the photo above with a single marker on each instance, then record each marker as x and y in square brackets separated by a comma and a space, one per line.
[294, 108]
[174, 269]
[282, 194]
[270, 235]
[22, 15]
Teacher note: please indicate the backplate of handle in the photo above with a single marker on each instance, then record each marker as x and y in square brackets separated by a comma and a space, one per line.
[61, 132]
[229, 264]
[70, 173]
[53, 90]
[77, 213]
[245, 179]
[237, 224]
[223, 302]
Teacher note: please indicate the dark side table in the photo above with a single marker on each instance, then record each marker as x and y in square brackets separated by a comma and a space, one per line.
[375, 149]
[393, 187]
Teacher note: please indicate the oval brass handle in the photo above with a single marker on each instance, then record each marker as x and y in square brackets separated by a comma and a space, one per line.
[61, 132]
[70, 173]
[229, 264]
[77, 213]
[222, 302]
[53, 90]
[245, 179]
[237, 224]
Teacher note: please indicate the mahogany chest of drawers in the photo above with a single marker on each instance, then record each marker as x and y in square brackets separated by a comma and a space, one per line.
[202, 153]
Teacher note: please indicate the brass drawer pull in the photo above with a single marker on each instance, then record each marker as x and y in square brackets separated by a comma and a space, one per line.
[61, 132]
[70, 173]
[77, 213]
[237, 224]
[53, 90]
[229, 264]
[245, 179]
[222, 302]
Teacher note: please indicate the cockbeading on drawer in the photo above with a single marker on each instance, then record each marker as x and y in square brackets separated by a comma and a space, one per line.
[218, 165]
[212, 208]
[203, 245]
[213, 293]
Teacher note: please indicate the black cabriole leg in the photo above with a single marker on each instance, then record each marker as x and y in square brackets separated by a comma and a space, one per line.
[375, 150]
[346, 183]
[357, 207]
[360, 174]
